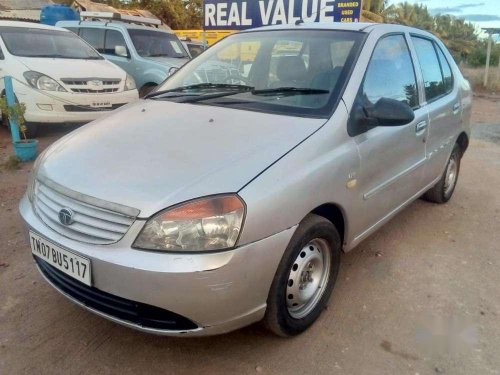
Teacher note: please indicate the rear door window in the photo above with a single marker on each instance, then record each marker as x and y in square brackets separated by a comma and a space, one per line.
[113, 38]
[431, 69]
[445, 67]
[93, 36]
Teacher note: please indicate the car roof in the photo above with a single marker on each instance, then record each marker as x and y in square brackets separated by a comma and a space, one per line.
[345, 26]
[29, 25]
[124, 25]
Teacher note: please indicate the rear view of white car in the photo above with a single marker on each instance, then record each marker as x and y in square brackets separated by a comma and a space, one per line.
[59, 77]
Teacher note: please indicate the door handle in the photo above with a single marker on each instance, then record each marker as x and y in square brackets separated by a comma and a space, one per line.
[456, 107]
[420, 127]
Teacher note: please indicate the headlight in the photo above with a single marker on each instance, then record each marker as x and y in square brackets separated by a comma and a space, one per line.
[42, 82]
[129, 83]
[32, 177]
[205, 224]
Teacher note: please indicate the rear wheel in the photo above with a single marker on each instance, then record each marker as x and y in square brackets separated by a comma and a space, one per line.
[443, 190]
[305, 277]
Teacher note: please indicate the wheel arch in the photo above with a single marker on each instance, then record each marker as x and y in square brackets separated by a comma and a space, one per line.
[335, 214]
[463, 142]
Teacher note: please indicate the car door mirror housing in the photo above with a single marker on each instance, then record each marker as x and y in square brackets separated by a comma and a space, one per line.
[121, 51]
[390, 112]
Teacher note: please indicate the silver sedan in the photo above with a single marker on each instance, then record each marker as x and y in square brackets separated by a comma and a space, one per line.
[227, 195]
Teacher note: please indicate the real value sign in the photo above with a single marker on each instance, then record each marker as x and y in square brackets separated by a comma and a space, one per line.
[244, 14]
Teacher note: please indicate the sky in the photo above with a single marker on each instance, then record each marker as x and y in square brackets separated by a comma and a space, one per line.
[484, 13]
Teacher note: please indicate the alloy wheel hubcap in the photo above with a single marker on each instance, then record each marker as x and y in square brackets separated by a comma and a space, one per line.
[451, 175]
[308, 278]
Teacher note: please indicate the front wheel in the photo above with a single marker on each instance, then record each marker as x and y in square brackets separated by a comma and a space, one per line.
[305, 277]
[146, 89]
[443, 190]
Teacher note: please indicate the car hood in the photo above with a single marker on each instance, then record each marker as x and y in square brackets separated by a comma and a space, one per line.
[169, 61]
[73, 68]
[150, 155]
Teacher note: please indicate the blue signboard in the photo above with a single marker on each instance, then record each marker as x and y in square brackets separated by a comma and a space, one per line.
[245, 14]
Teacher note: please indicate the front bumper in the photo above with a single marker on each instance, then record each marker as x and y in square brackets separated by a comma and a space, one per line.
[66, 107]
[219, 292]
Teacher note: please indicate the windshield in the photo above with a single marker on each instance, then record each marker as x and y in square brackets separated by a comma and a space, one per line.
[31, 42]
[297, 72]
[150, 43]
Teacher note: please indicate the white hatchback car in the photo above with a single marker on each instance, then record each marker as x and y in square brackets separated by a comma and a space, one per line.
[58, 76]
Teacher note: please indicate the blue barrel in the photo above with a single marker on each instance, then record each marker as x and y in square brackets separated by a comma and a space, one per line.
[51, 14]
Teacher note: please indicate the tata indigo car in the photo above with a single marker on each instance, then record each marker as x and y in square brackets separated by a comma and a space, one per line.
[227, 195]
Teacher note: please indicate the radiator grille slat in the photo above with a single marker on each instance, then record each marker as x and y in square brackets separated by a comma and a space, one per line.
[92, 85]
[91, 224]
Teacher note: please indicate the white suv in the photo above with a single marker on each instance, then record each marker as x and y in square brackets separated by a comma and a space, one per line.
[59, 77]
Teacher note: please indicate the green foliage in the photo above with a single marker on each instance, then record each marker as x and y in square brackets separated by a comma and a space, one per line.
[15, 112]
[477, 56]
[178, 14]
[12, 163]
[459, 36]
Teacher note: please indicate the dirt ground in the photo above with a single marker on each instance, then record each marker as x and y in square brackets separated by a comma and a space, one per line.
[422, 296]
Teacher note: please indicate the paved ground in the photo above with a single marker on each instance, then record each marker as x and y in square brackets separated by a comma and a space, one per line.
[420, 296]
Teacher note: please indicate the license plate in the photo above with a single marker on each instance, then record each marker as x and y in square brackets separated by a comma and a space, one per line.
[100, 105]
[71, 264]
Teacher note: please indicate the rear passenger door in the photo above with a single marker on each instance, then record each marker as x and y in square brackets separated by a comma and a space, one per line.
[442, 100]
[392, 157]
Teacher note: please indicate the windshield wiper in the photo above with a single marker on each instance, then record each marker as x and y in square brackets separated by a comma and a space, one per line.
[289, 91]
[202, 86]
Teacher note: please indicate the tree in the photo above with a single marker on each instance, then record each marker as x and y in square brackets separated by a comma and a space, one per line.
[373, 10]
[409, 14]
[459, 36]
[178, 14]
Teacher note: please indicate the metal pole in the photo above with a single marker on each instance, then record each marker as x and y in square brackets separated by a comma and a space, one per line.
[11, 100]
[498, 70]
[488, 55]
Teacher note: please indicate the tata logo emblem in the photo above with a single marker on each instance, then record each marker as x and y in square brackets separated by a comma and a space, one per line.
[95, 83]
[66, 216]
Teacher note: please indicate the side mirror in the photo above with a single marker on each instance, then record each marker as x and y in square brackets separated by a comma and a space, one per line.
[121, 51]
[390, 112]
[385, 112]
[172, 71]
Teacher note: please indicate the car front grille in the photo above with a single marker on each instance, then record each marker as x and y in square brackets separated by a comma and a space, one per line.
[87, 108]
[92, 85]
[91, 224]
[141, 314]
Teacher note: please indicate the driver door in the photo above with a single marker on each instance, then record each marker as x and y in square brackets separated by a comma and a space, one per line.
[392, 157]
[112, 39]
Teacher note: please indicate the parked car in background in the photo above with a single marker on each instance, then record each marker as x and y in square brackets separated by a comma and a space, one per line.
[144, 52]
[235, 203]
[194, 47]
[58, 76]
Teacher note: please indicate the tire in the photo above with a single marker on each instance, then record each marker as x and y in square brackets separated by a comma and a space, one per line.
[289, 310]
[146, 89]
[443, 190]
